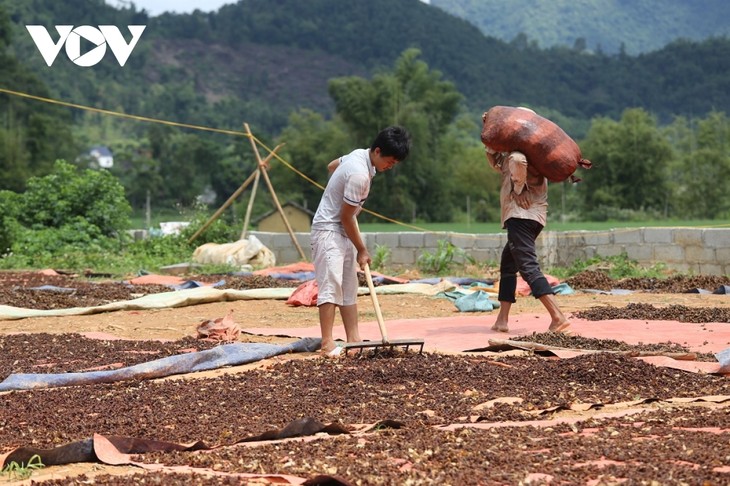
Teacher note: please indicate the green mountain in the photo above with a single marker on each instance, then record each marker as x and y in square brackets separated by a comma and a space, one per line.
[263, 62]
[258, 60]
[600, 25]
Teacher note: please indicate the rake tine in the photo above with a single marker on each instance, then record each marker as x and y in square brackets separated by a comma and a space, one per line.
[386, 344]
[379, 347]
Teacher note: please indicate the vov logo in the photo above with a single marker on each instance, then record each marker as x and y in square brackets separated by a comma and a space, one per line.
[70, 37]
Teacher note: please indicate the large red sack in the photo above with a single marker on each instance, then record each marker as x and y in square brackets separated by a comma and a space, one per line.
[548, 148]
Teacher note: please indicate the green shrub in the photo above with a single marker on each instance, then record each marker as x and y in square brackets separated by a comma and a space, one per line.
[381, 256]
[441, 261]
[68, 218]
[219, 231]
[67, 194]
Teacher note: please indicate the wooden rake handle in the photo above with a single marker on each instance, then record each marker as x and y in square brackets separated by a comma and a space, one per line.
[376, 305]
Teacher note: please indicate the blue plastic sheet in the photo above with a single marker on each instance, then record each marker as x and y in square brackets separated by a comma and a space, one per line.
[476, 302]
[218, 357]
[191, 284]
[563, 289]
[303, 276]
[53, 288]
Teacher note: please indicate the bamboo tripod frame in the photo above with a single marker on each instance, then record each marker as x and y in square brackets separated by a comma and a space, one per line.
[261, 169]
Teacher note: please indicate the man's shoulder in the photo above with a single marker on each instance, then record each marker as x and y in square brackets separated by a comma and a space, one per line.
[357, 154]
[356, 161]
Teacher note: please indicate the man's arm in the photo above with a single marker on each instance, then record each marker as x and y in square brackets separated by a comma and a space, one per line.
[332, 166]
[494, 159]
[518, 176]
[518, 171]
[348, 215]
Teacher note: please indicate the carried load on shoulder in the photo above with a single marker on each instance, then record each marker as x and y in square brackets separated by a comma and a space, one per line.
[548, 148]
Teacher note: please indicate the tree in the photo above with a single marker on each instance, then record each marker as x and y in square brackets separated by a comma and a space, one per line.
[137, 172]
[703, 180]
[417, 98]
[186, 163]
[630, 160]
[311, 142]
[32, 135]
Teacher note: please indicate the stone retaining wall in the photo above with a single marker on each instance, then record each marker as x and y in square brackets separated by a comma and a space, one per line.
[687, 250]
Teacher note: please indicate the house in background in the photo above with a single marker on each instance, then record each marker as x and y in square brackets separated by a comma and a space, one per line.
[300, 219]
[100, 157]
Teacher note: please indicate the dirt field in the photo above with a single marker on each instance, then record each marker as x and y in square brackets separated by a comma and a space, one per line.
[506, 419]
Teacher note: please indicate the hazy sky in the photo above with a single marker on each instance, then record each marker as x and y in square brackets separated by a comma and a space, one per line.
[156, 7]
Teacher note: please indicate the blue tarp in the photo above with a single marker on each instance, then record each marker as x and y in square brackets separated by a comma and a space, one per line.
[53, 288]
[468, 301]
[303, 276]
[191, 284]
[476, 302]
[466, 281]
[218, 357]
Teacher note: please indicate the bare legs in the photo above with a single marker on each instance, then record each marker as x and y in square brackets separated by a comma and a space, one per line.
[349, 319]
[327, 322]
[558, 321]
[519, 255]
[502, 322]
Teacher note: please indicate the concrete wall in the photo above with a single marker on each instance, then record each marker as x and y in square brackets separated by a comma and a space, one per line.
[687, 250]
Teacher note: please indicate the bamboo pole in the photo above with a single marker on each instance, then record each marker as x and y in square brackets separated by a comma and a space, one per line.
[262, 167]
[230, 199]
[251, 199]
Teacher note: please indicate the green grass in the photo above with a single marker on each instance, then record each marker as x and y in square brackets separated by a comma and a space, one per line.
[21, 471]
[484, 228]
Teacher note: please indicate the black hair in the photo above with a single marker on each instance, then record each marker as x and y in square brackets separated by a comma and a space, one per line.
[393, 141]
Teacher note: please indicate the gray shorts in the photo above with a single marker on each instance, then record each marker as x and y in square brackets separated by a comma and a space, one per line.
[335, 268]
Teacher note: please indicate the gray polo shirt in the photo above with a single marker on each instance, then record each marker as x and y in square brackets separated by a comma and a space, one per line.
[349, 184]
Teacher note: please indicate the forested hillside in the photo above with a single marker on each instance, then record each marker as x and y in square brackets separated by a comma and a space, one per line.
[637, 26]
[315, 76]
[265, 59]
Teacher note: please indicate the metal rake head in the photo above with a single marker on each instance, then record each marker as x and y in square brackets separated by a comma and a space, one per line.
[381, 346]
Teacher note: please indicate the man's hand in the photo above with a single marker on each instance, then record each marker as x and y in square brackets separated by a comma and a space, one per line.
[522, 199]
[363, 257]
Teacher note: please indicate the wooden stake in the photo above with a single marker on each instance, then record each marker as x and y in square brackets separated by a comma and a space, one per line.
[231, 199]
[251, 198]
[262, 168]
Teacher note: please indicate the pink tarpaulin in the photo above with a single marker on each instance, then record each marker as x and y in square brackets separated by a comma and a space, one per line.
[461, 333]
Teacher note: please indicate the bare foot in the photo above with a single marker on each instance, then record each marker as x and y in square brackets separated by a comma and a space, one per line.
[500, 327]
[561, 327]
[335, 352]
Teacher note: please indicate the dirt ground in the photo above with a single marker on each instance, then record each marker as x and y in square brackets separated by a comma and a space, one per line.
[443, 419]
[180, 322]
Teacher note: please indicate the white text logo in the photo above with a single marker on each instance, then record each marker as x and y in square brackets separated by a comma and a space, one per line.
[71, 38]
